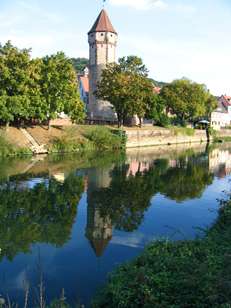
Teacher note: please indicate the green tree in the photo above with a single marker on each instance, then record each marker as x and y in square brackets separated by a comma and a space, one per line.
[15, 81]
[59, 88]
[126, 86]
[187, 100]
[156, 110]
[79, 64]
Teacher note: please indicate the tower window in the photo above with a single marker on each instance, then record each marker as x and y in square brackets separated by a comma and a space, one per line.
[101, 34]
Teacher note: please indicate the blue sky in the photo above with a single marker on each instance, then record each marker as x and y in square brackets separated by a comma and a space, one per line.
[175, 38]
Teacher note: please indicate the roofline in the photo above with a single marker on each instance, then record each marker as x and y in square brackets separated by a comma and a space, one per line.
[104, 31]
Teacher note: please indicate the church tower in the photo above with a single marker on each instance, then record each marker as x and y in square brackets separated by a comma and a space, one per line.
[102, 39]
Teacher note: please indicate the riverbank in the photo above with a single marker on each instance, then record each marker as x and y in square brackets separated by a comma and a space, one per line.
[63, 139]
[177, 274]
[87, 138]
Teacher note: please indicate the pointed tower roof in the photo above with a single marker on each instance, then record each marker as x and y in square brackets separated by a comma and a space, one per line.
[102, 24]
[99, 246]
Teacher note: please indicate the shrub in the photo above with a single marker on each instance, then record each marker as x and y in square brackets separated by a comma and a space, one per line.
[103, 138]
[183, 131]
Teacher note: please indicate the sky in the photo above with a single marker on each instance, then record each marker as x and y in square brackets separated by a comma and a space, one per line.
[175, 38]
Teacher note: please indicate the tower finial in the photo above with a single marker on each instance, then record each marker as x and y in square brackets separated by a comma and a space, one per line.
[104, 1]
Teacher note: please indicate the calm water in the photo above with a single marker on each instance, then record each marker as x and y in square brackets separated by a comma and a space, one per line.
[74, 220]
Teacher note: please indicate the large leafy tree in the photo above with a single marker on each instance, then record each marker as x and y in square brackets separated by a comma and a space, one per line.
[15, 81]
[188, 100]
[126, 86]
[37, 89]
[59, 87]
[156, 110]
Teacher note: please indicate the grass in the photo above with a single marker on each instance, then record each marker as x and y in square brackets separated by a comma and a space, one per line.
[8, 149]
[176, 274]
[219, 139]
[96, 138]
[182, 131]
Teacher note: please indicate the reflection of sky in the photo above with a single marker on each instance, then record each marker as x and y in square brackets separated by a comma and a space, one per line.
[75, 267]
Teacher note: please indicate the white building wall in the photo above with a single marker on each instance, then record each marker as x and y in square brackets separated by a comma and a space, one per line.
[220, 119]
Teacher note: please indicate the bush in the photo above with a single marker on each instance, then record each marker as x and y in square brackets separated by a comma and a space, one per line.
[102, 138]
[183, 131]
[64, 145]
[90, 139]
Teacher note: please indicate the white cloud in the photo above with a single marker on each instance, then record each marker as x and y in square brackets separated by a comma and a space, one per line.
[140, 4]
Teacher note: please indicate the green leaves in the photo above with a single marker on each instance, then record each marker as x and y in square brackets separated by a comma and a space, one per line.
[188, 100]
[59, 87]
[37, 89]
[126, 87]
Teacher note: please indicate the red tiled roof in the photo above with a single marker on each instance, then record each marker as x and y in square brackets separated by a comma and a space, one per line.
[85, 83]
[225, 100]
[102, 24]
[227, 97]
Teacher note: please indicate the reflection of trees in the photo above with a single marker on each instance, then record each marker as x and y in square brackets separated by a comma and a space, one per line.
[187, 180]
[128, 196]
[44, 213]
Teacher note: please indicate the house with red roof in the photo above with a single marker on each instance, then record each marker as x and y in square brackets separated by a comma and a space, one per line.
[221, 117]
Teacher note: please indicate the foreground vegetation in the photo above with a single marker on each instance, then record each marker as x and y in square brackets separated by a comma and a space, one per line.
[177, 274]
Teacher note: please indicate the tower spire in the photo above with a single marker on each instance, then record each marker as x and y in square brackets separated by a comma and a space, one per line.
[102, 24]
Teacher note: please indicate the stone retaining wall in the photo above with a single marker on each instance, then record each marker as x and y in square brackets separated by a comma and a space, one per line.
[143, 137]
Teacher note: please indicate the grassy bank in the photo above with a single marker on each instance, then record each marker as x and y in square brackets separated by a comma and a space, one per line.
[95, 138]
[74, 139]
[177, 274]
[8, 149]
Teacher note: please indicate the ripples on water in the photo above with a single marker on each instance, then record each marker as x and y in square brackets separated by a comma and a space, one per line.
[75, 219]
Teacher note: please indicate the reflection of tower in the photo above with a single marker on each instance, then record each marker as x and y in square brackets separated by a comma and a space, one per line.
[99, 228]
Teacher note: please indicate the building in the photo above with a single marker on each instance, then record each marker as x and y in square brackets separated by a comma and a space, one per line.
[84, 86]
[221, 117]
[102, 39]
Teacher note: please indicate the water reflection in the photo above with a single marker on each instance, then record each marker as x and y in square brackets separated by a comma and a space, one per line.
[120, 198]
[38, 210]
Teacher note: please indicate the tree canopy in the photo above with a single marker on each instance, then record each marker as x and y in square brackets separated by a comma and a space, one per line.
[37, 88]
[127, 87]
[79, 64]
[188, 100]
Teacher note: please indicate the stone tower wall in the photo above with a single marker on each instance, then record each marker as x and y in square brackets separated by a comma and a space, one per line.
[102, 51]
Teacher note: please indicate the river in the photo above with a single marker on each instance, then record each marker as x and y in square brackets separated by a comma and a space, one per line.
[68, 221]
